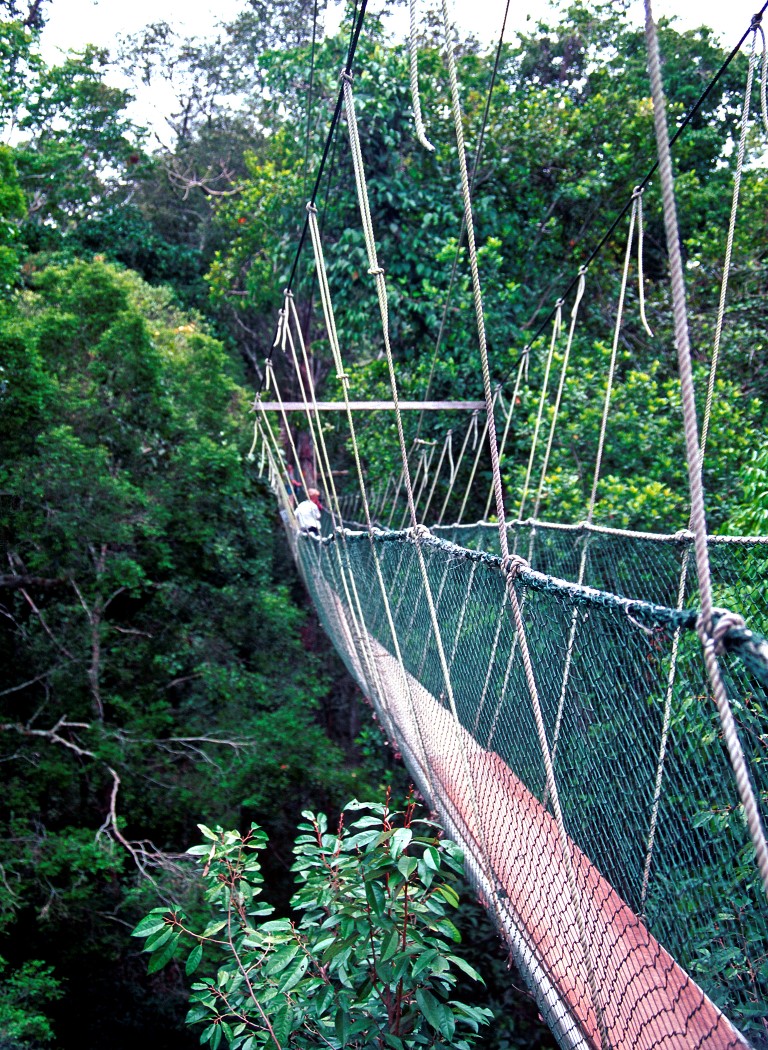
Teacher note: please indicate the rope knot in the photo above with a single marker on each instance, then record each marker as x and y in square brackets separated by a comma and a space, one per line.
[512, 564]
[311, 208]
[345, 77]
[683, 536]
[376, 271]
[723, 621]
[583, 270]
[637, 192]
[420, 532]
[342, 377]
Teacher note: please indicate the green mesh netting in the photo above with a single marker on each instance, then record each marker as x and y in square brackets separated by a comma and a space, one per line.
[676, 929]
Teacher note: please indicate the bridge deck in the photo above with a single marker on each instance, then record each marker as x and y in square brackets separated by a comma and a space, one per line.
[647, 999]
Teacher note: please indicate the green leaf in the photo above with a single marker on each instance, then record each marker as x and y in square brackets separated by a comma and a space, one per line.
[341, 1026]
[151, 923]
[462, 964]
[406, 866]
[293, 976]
[280, 959]
[159, 959]
[439, 1016]
[193, 959]
[374, 894]
[449, 894]
[391, 946]
[400, 841]
[208, 833]
[277, 926]
[282, 1024]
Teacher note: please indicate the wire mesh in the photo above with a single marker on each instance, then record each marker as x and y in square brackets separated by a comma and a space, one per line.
[671, 950]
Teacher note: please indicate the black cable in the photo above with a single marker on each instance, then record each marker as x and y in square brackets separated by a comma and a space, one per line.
[354, 39]
[756, 19]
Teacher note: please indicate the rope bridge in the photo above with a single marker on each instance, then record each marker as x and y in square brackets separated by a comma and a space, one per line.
[588, 720]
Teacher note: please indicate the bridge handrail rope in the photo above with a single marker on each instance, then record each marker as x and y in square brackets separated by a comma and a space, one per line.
[511, 566]
[454, 473]
[561, 386]
[462, 227]
[703, 443]
[706, 626]
[413, 60]
[446, 443]
[522, 369]
[596, 475]
[478, 453]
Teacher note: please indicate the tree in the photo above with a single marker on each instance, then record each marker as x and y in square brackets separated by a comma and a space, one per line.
[155, 670]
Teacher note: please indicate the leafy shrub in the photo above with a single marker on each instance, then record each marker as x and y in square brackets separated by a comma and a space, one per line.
[371, 961]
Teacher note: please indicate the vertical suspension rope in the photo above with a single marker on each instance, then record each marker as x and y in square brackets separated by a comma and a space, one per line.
[509, 565]
[707, 634]
[557, 325]
[729, 239]
[413, 61]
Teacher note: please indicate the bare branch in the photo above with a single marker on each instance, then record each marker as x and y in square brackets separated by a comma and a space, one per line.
[45, 626]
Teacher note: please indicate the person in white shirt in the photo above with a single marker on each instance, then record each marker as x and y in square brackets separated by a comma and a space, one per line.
[308, 514]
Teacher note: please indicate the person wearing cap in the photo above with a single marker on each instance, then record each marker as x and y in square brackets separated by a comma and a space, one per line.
[308, 514]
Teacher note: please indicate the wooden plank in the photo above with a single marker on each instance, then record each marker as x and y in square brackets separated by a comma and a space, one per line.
[359, 406]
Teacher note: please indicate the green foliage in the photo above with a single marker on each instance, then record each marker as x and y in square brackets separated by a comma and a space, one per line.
[371, 962]
[23, 995]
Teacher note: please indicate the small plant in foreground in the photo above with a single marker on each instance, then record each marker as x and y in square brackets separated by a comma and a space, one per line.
[371, 962]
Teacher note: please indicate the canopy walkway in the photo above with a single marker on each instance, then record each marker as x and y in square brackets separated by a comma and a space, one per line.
[588, 720]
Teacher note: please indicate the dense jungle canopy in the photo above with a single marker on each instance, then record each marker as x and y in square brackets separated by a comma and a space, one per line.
[160, 665]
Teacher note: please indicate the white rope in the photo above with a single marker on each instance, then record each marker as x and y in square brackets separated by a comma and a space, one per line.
[421, 134]
[455, 466]
[698, 516]
[612, 366]
[729, 240]
[446, 444]
[416, 530]
[561, 386]
[666, 719]
[330, 323]
[521, 368]
[517, 615]
[478, 454]
[638, 193]
[557, 325]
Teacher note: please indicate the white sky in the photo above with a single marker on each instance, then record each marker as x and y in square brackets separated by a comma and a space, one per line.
[74, 23]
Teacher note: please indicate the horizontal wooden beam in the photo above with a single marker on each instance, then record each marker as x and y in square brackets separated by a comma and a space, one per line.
[359, 406]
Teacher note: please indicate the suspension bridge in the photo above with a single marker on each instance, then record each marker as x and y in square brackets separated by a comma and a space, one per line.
[584, 707]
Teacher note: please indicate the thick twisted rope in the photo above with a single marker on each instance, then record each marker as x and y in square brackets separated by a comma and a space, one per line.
[698, 515]
[500, 511]
[413, 61]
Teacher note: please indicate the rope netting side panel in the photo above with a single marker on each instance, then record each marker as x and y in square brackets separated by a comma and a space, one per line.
[677, 925]
[634, 564]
